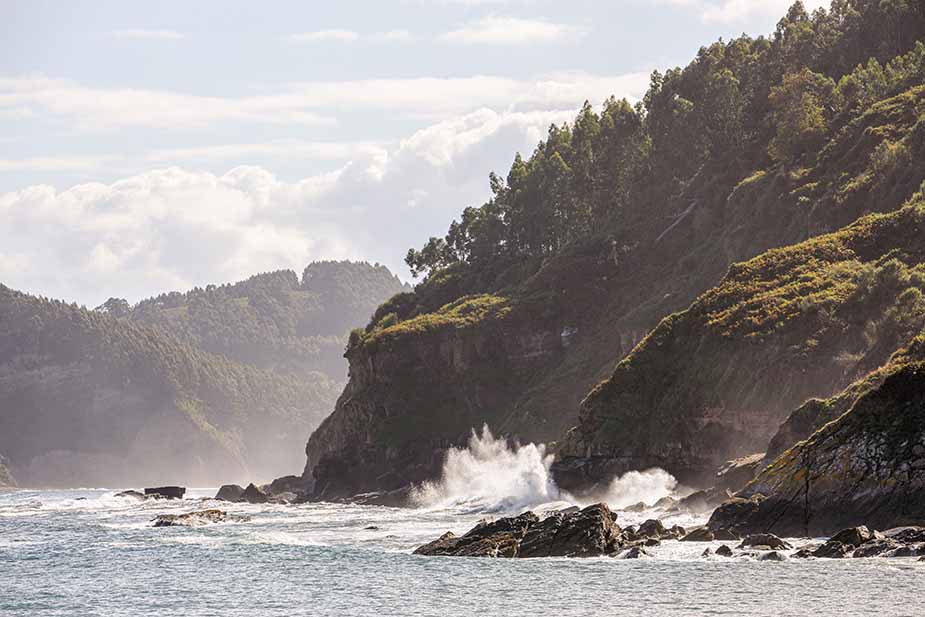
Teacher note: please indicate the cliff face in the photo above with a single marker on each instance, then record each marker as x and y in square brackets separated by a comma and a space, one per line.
[407, 401]
[865, 467]
[708, 384]
[6, 477]
[714, 382]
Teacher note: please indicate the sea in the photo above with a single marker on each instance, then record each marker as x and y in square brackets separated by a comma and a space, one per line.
[87, 551]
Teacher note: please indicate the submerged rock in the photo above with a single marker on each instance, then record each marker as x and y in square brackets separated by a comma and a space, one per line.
[195, 519]
[854, 536]
[230, 492]
[876, 547]
[590, 532]
[166, 492]
[773, 556]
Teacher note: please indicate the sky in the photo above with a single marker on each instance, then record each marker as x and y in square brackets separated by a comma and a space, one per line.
[158, 146]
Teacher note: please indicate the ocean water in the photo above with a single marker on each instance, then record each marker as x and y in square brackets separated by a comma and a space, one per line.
[88, 552]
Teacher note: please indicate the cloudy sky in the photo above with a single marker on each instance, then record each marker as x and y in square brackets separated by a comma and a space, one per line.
[147, 147]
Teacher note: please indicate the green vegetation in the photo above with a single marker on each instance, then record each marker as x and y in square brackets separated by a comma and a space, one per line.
[273, 320]
[809, 139]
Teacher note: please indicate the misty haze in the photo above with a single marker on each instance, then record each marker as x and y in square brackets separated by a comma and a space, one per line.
[462, 307]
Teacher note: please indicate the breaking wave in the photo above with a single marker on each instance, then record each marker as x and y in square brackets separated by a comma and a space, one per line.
[492, 474]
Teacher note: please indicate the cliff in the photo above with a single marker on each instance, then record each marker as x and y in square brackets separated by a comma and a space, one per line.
[714, 382]
[865, 467]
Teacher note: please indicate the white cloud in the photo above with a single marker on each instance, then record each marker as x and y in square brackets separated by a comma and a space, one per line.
[494, 29]
[336, 35]
[89, 108]
[736, 11]
[175, 228]
[149, 35]
[283, 148]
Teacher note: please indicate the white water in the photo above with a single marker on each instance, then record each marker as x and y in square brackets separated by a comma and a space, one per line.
[87, 552]
[495, 475]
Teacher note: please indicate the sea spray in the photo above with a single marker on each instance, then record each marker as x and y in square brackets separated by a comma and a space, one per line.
[639, 486]
[492, 474]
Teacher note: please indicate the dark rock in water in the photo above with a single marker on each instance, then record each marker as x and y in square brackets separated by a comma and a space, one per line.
[921, 558]
[371, 528]
[635, 553]
[230, 492]
[677, 532]
[636, 507]
[652, 528]
[666, 503]
[726, 535]
[853, 536]
[131, 495]
[909, 550]
[252, 494]
[764, 539]
[773, 556]
[591, 532]
[652, 542]
[906, 535]
[195, 519]
[499, 538]
[734, 513]
[876, 547]
[569, 510]
[167, 492]
[700, 534]
[724, 551]
[399, 498]
[287, 484]
[833, 550]
[706, 552]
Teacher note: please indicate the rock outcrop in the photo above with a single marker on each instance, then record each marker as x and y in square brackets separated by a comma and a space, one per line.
[196, 519]
[166, 492]
[230, 492]
[591, 532]
[865, 468]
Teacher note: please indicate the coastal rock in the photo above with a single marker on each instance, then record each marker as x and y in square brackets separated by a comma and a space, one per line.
[735, 474]
[764, 539]
[166, 492]
[252, 494]
[635, 553]
[724, 551]
[399, 498]
[855, 470]
[876, 547]
[499, 538]
[706, 552]
[703, 501]
[195, 519]
[734, 513]
[131, 494]
[833, 550]
[854, 536]
[591, 532]
[773, 556]
[700, 534]
[230, 492]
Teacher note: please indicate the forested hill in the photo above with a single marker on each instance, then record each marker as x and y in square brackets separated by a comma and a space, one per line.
[623, 217]
[91, 400]
[273, 320]
[214, 385]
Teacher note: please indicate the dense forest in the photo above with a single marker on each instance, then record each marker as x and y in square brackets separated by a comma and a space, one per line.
[273, 320]
[620, 220]
[213, 385]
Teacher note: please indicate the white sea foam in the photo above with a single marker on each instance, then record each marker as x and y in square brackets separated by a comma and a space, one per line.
[492, 474]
